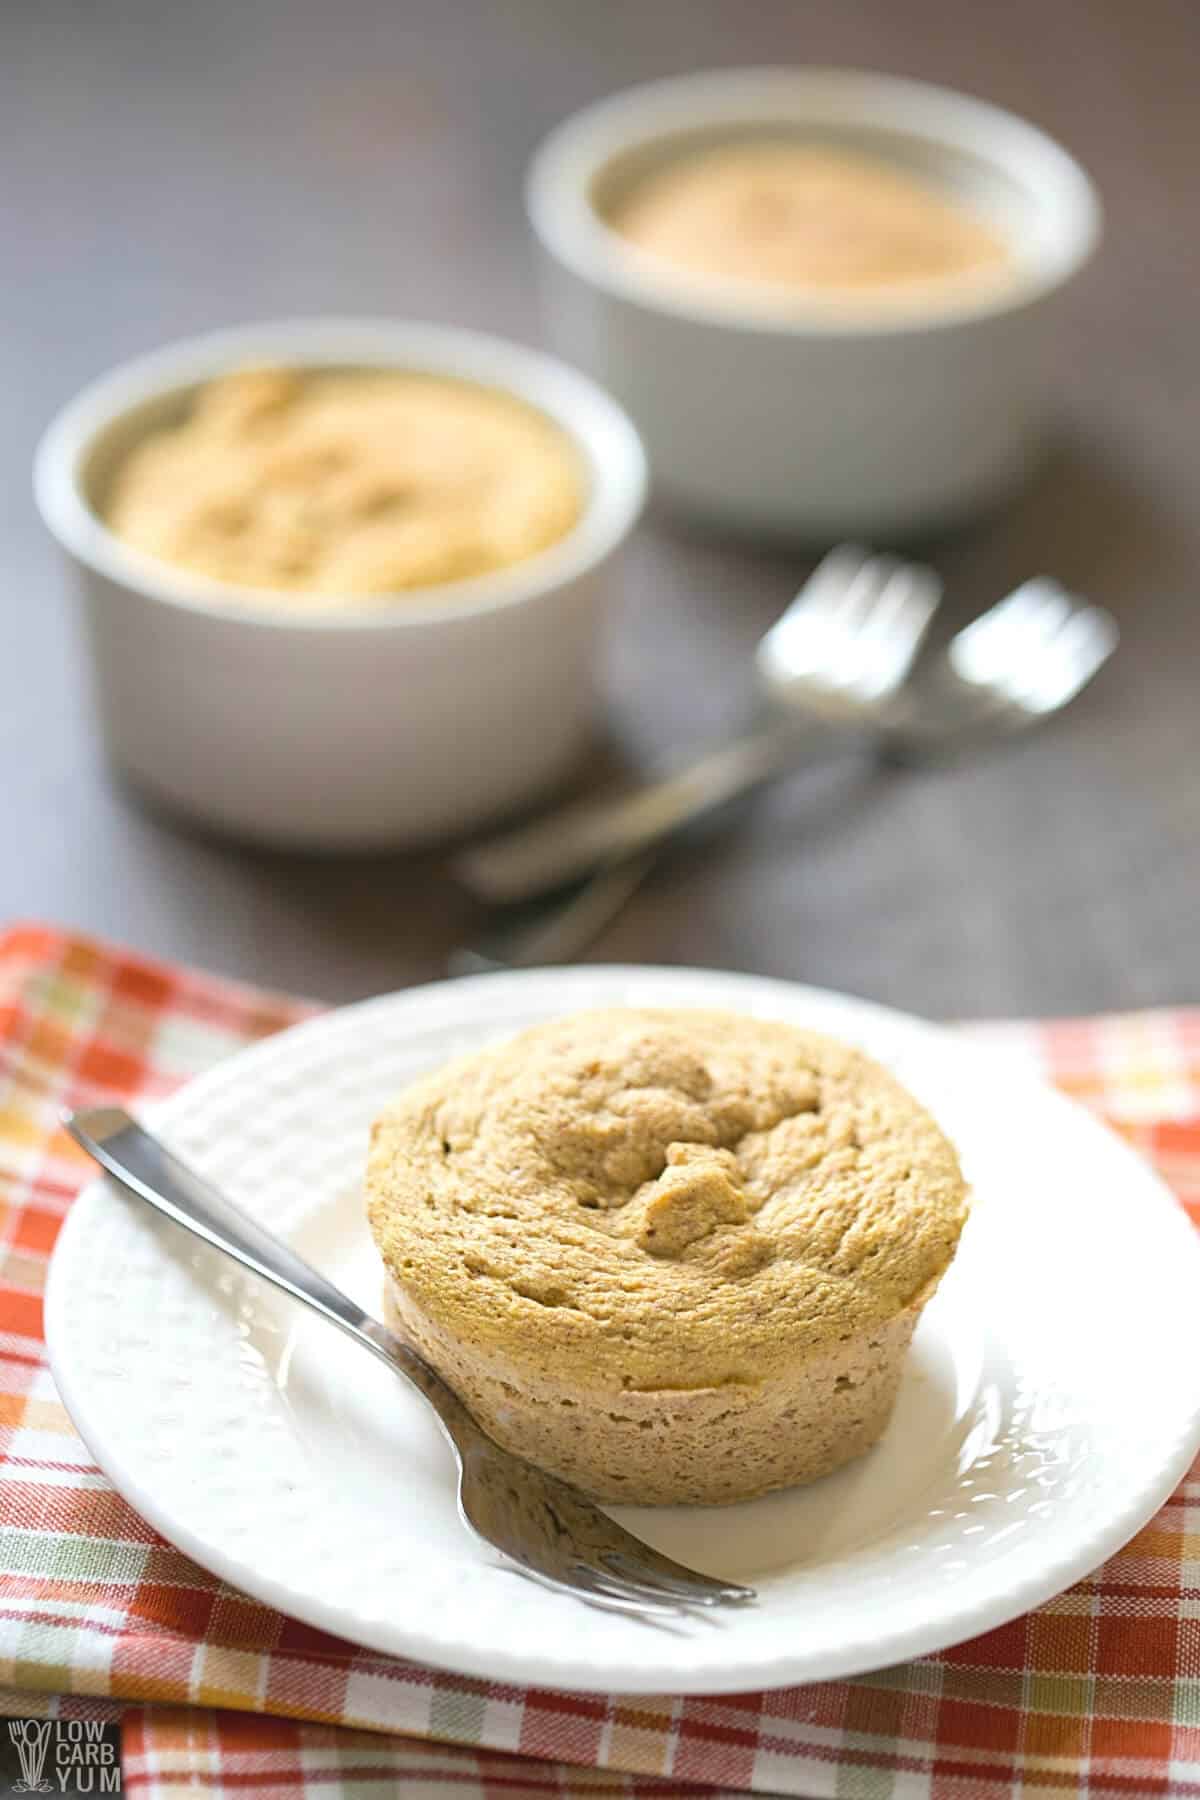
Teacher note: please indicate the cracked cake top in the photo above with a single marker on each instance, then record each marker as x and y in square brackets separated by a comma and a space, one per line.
[662, 1199]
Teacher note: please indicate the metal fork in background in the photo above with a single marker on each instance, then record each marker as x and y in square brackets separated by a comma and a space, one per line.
[1015, 666]
[543, 1528]
[554, 928]
[1018, 663]
[835, 658]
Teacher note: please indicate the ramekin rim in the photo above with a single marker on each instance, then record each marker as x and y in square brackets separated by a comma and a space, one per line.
[566, 223]
[597, 426]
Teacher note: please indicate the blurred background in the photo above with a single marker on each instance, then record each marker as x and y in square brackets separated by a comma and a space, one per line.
[171, 169]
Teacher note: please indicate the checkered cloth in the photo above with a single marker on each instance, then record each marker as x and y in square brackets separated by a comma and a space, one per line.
[1097, 1693]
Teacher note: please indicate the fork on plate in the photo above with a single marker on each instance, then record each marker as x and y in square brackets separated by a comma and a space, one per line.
[541, 1527]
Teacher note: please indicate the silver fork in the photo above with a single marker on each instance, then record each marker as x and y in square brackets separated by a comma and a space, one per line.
[836, 657]
[1024, 659]
[542, 1528]
[1015, 665]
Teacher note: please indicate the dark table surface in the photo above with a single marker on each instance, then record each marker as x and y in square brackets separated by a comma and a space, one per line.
[169, 169]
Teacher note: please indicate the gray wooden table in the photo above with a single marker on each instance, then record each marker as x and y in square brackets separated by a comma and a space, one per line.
[168, 169]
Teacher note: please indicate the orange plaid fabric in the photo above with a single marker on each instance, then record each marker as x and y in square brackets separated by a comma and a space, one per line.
[1097, 1693]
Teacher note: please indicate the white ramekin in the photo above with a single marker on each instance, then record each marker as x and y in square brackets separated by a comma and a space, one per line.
[885, 421]
[357, 727]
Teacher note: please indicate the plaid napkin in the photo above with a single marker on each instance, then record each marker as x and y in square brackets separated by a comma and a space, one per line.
[1097, 1693]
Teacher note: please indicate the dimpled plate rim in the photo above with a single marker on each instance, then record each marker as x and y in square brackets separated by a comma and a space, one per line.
[148, 1343]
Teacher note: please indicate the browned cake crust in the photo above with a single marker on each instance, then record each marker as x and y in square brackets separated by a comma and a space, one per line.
[669, 1255]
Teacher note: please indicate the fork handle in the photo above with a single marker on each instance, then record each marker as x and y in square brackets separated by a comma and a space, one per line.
[143, 1165]
[572, 840]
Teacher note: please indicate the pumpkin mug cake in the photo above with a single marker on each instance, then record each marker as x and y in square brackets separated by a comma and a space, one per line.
[788, 221]
[668, 1255]
[320, 487]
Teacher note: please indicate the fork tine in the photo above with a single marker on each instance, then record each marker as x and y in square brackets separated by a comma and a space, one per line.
[1050, 606]
[877, 636]
[800, 635]
[861, 595]
[1030, 654]
[855, 626]
[891, 638]
[628, 1559]
[593, 1595]
[910, 590]
[642, 1561]
[809, 638]
[823, 592]
[1016, 628]
[643, 1573]
[627, 1593]
[1082, 645]
[582, 1544]
[1097, 637]
[638, 1591]
[829, 581]
[635, 1560]
[822, 595]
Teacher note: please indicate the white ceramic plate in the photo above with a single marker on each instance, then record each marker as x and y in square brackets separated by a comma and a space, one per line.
[1051, 1403]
